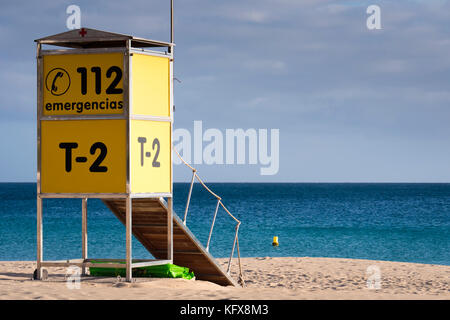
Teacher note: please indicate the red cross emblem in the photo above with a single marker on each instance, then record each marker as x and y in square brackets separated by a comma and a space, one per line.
[82, 32]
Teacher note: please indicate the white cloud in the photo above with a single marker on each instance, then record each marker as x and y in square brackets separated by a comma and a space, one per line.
[390, 66]
[255, 102]
[253, 16]
[266, 66]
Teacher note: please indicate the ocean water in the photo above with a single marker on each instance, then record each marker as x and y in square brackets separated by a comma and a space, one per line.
[396, 222]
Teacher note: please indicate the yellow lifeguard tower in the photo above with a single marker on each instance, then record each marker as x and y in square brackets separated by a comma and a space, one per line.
[104, 119]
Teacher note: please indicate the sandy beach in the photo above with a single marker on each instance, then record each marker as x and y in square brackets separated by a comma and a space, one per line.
[266, 278]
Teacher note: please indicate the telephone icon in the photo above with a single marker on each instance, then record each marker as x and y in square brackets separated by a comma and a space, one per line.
[54, 87]
[57, 81]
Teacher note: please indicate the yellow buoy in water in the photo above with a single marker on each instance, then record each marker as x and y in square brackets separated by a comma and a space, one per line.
[275, 241]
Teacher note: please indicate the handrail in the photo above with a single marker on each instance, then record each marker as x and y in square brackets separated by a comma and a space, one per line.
[189, 198]
[219, 202]
[187, 164]
[223, 206]
[204, 185]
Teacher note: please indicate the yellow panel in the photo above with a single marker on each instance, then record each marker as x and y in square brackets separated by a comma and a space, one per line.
[151, 163]
[150, 85]
[83, 84]
[83, 156]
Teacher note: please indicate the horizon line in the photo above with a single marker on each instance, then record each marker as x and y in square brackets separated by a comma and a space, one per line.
[309, 182]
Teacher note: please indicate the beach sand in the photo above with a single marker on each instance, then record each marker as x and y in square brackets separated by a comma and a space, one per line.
[266, 278]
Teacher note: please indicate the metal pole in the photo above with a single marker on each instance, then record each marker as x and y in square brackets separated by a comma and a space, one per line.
[170, 230]
[128, 224]
[128, 200]
[39, 239]
[170, 200]
[39, 253]
[171, 25]
[84, 238]
[189, 197]
[212, 225]
[232, 250]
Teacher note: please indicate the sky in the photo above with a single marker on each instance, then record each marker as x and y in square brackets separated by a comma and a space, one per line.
[351, 104]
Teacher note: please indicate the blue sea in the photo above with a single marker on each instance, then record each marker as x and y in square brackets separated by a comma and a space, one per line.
[396, 222]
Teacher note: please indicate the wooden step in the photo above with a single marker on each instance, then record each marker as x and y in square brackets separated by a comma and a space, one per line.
[149, 220]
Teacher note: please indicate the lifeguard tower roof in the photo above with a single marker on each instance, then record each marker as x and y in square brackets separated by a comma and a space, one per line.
[91, 38]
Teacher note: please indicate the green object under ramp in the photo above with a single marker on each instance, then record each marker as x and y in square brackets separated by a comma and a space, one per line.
[162, 271]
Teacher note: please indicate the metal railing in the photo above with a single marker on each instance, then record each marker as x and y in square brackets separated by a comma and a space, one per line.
[219, 204]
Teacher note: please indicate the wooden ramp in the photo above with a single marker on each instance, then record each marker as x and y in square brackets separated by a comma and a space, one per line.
[149, 220]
